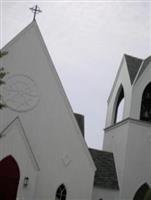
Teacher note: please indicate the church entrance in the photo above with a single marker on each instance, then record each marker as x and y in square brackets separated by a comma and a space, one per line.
[9, 178]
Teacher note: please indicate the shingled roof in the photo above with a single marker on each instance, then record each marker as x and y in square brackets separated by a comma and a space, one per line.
[133, 65]
[105, 176]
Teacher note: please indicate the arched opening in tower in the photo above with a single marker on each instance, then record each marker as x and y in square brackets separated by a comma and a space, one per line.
[119, 106]
[145, 113]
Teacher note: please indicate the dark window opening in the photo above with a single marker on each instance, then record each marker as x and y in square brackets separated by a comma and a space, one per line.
[119, 106]
[61, 193]
[145, 113]
[9, 178]
[141, 192]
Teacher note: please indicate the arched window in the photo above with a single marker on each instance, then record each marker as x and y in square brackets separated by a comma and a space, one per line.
[145, 113]
[141, 192]
[119, 106]
[61, 193]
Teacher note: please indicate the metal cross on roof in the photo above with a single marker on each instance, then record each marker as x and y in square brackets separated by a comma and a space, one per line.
[35, 10]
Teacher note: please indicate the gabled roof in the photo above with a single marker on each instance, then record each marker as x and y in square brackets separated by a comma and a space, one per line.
[105, 176]
[133, 66]
[143, 67]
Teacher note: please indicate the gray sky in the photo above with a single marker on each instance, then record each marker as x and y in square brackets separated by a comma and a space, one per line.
[86, 41]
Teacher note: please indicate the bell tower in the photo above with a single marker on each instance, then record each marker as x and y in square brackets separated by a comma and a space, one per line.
[128, 124]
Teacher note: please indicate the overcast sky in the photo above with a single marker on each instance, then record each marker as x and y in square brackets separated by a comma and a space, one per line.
[86, 41]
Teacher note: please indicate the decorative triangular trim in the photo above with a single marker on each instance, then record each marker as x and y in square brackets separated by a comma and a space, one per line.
[17, 122]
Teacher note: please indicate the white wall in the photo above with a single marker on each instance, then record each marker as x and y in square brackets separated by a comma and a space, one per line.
[137, 164]
[115, 141]
[131, 145]
[13, 143]
[53, 133]
[105, 194]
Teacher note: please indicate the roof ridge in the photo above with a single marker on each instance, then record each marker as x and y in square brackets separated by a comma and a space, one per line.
[128, 55]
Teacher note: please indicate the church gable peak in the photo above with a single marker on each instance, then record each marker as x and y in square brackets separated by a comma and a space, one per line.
[19, 35]
[133, 66]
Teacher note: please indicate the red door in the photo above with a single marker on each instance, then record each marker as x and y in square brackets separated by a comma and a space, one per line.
[9, 178]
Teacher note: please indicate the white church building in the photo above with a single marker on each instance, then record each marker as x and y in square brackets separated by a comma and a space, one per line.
[43, 153]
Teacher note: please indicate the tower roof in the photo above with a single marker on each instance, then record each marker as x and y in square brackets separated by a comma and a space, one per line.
[143, 67]
[133, 65]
